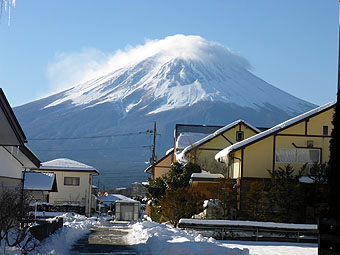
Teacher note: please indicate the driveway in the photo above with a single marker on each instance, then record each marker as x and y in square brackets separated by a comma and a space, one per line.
[105, 240]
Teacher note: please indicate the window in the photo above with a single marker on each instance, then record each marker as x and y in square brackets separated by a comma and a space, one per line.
[72, 181]
[325, 130]
[239, 136]
[297, 155]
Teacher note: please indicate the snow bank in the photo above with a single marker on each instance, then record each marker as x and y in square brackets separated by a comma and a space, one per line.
[155, 238]
[75, 226]
[249, 223]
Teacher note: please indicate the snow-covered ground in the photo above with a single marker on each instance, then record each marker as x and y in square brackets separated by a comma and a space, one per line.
[162, 239]
[153, 238]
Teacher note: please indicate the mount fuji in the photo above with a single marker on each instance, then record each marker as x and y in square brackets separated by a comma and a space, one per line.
[180, 79]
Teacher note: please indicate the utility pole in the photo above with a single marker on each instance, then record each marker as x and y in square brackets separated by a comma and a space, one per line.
[154, 144]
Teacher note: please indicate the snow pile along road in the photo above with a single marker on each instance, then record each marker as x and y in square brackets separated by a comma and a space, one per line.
[75, 226]
[153, 238]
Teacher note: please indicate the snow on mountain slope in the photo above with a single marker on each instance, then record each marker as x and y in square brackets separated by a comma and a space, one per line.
[180, 71]
[177, 80]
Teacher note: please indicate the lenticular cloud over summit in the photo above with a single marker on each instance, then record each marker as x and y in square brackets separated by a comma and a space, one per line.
[180, 46]
[68, 69]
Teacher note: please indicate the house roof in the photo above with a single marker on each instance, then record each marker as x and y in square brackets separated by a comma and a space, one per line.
[190, 128]
[168, 153]
[12, 137]
[187, 138]
[206, 175]
[39, 181]
[223, 155]
[30, 159]
[112, 198]
[64, 164]
[11, 132]
[213, 135]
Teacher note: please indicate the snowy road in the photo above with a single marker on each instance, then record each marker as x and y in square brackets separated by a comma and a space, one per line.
[105, 240]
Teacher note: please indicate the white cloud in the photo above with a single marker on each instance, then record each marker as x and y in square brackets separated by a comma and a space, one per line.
[66, 70]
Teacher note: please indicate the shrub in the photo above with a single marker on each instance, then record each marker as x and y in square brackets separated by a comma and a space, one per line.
[181, 203]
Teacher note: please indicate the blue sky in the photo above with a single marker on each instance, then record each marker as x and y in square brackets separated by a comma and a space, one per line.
[291, 44]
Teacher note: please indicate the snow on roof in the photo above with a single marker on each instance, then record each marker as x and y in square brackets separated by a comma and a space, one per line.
[113, 198]
[169, 151]
[306, 179]
[39, 181]
[206, 175]
[224, 154]
[148, 169]
[180, 156]
[187, 138]
[67, 164]
[249, 223]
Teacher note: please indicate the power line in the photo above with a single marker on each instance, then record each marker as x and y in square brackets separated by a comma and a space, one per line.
[88, 137]
[121, 148]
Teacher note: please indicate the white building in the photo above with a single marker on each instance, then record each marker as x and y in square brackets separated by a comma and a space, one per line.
[74, 182]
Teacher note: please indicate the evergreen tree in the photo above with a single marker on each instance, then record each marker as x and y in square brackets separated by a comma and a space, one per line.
[181, 203]
[285, 196]
[156, 189]
[319, 173]
[179, 175]
[256, 207]
[334, 163]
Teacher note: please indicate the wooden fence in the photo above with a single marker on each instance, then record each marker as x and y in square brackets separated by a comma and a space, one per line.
[46, 227]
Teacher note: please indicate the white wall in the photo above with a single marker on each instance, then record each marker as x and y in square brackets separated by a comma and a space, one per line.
[9, 166]
[72, 194]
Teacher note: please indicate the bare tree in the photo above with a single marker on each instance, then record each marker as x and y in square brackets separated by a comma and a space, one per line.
[14, 222]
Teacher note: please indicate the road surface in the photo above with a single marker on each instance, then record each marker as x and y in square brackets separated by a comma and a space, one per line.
[105, 240]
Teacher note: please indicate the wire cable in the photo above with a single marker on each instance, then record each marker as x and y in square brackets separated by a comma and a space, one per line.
[87, 137]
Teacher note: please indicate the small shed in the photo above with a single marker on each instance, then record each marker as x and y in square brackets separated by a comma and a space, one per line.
[127, 210]
[40, 185]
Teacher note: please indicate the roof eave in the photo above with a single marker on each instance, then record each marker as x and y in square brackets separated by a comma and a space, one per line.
[13, 121]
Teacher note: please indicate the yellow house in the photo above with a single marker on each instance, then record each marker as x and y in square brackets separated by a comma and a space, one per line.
[203, 151]
[184, 135]
[300, 140]
[162, 166]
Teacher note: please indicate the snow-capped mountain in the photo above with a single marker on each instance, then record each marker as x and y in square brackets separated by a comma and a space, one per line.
[180, 79]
